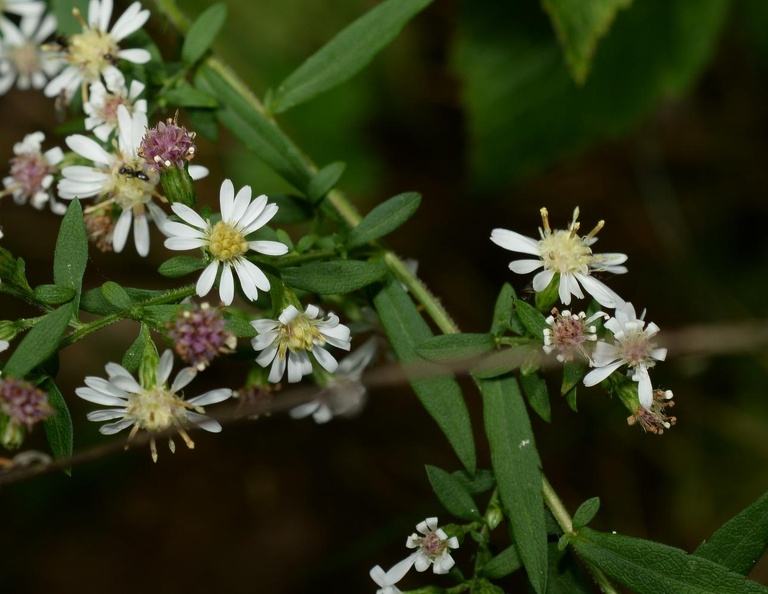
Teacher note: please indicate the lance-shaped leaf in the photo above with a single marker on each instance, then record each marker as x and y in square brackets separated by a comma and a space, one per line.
[336, 276]
[506, 562]
[586, 512]
[71, 253]
[324, 181]
[456, 347]
[180, 266]
[347, 53]
[579, 26]
[535, 389]
[436, 389]
[202, 33]
[452, 494]
[517, 467]
[385, 218]
[504, 315]
[41, 342]
[58, 427]
[648, 567]
[532, 319]
[132, 357]
[741, 541]
[257, 132]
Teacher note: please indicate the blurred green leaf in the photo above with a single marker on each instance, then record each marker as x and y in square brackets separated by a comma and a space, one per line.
[335, 276]
[385, 218]
[439, 393]
[506, 562]
[535, 389]
[452, 494]
[570, 398]
[54, 294]
[572, 375]
[586, 512]
[40, 343]
[524, 111]
[291, 209]
[504, 316]
[579, 26]
[70, 256]
[66, 21]
[456, 347]
[324, 181]
[741, 541]
[533, 321]
[650, 567]
[180, 266]
[565, 574]
[346, 54]
[480, 482]
[188, 96]
[517, 467]
[132, 357]
[58, 427]
[238, 326]
[202, 33]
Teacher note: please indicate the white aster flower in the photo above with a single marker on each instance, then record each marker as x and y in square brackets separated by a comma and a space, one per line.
[344, 395]
[104, 99]
[22, 61]
[632, 346]
[568, 334]
[32, 173]
[434, 547]
[118, 180]
[94, 52]
[153, 408]
[225, 242]
[387, 580]
[564, 253]
[23, 8]
[287, 342]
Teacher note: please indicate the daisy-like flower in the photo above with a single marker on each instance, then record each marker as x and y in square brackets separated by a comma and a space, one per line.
[32, 173]
[567, 254]
[104, 99]
[123, 190]
[23, 8]
[94, 52]
[344, 395]
[568, 334]
[434, 547]
[632, 346]
[22, 61]
[287, 342]
[225, 242]
[153, 408]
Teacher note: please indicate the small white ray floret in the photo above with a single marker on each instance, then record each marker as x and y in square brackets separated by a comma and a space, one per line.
[225, 242]
[564, 253]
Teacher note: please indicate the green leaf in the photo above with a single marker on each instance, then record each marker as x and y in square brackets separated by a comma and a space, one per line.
[336, 276]
[649, 568]
[257, 132]
[188, 96]
[41, 342]
[515, 83]
[533, 321]
[115, 295]
[70, 256]
[741, 541]
[570, 398]
[324, 181]
[535, 389]
[347, 53]
[385, 218]
[506, 562]
[480, 482]
[579, 26]
[456, 347]
[517, 467]
[238, 326]
[180, 266]
[572, 375]
[54, 294]
[158, 316]
[504, 316]
[291, 210]
[58, 427]
[565, 574]
[204, 122]
[66, 21]
[501, 362]
[439, 393]
[483, 586]
[132, 357]
[202, 33]
[452, 494]
[586, 512]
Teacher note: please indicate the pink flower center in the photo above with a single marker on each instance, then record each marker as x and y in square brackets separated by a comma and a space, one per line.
[29, 171]
[432, 545]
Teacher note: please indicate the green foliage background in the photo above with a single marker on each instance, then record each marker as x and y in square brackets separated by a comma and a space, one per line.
[474, 107]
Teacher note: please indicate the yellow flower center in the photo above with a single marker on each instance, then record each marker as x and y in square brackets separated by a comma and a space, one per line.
[226, 243]
[565, 252]
[92, 51]
[157, 409]
[131, 187]
[299, 334]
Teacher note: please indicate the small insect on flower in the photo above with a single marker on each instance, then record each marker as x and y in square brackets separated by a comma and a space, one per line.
[154, 408]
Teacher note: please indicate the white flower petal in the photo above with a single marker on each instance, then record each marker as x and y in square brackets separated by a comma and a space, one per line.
[203, 422]
[188, 215]
[226, 285]
[597, 375]
[120, 232]
[206, 280]
[525, 266]
[515, 242]
[269, 248]
[211, 397]
[326, 360]
[136, 55]
[88, 148]
[116, 427]
[182, 379]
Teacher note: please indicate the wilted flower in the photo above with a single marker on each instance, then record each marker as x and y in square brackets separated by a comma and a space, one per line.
[153, 408]
[564, 253]
[23, 402]
[168, 145]
[199, 335]
[655, 419]
[287, 342]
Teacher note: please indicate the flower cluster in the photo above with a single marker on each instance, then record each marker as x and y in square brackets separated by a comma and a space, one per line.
[199, 335]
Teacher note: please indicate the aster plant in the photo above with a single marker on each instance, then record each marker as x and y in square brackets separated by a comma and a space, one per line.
[288, 299]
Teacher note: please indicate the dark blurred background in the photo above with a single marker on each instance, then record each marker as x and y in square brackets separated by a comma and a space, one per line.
[472, 106]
